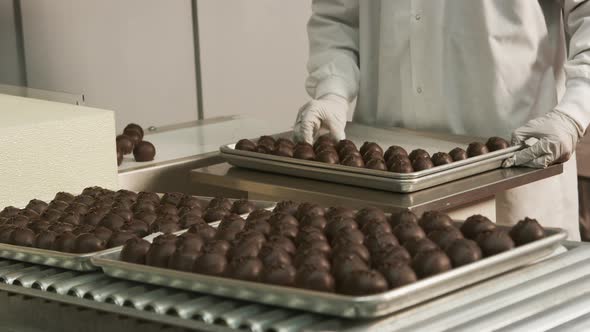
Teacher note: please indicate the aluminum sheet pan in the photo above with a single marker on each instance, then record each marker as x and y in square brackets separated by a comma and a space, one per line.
[390, 181]
[79, 262]
[335, 304]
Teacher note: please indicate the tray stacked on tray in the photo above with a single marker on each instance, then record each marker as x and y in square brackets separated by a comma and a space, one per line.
[69, 230]
[453, 157]
[335, 261]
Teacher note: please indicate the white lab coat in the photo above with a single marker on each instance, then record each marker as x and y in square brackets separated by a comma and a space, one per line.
[476, 67]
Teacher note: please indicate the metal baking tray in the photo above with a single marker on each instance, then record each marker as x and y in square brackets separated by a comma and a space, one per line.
[335, 304]
[81, 262]
[390, 181]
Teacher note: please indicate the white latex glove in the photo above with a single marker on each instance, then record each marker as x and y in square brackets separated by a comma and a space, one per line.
[328, 112]
[557, 135]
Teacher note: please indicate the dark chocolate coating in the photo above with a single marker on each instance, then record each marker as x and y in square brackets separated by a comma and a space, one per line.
[273, 254]
[258, 225]
[476, 224]
[112, 222]
[70, 218]
[164, 226]
[376, 164]
[316, 245]
[349, 236]
[394, 150]
[380, 241]
[309, 209]
[61, 227]
[93, 218]
[304, 152]
[159, 254]
[37, 205]
[284, 141]
[309, 233]
[65, 242]
[476, 149]
[312, 257]
[242, 206]
[283, 151]
[374, 227]
[286, 230]
[398, 274]
[441, 158]
[80, 229]
[418, 153]
[166, 209]
[144, 151]
[17, 221]
[183, 260]
[390, 254]
[415, 246]
[458, 154]
[87, 242]
[267, 142]
[370, 146]
[165, 238]
[421, 164]
[343, 250]
[429, 263]
[45, 239]
[406, 231]
[373, 154]
[231, 223]
[445, 237]
[191, 201]
[124, 144]
[318, 280]
[432, 220]
[188, 220]
[278, 274]
[147, 216]
[119, 238]
[279, 218]
[345, 265]
[264, 149]
[64, 196]
[146, 196]
[245, 145]
[211, 264]
[220, 202]
[328, 156]
[190, 241]
[348, 151]
[23, 237]
[324, 147]
[135, 250]
[336, 224]
[245, 268]
[496, 143]
[463, 251]
[402, 217]
[39, 226]
[288, 207]
[339, 212]
[282, 242]
[259, 214]
[324, 139]
[526, 231]
[353, 161]
[5, 233]
[365, 215]
[216, 246]
[58, 205]
[134, 126]
[345, 143]
[401, 166]
[494, 242]
[172, 198]
[318, 222]
[135, 136]
[361, 282]
[205, 231]
[215, 214]
[103, 233]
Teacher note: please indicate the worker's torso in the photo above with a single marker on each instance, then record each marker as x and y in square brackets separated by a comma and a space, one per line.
[479, 67]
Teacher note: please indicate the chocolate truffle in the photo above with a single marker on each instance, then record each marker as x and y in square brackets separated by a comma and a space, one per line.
[282, 242]
[398, 274]
[415, 246]
[246, 145]
[343, 250]
[304, 152]
[135, 250]
[328, 156]
[267, 142]
[309, 233]
[302, 145]
[134, 126]
[318, 222]
[58, 205]
[402, 217]
[526, 231]
[215, 214]
[360, 283]
[159, 254]
[315, 245]
[394, 150]
[231, 222]
[406, 231]
[187, 220]
[373, 154]
[284, 141]
[345, 143]
[220, 202]
[112, 222]
[9, 211]
[183, 260]
[401, 166]
[5, 233]
[312, 279]
[211, 264]
[37, 205]
[164, 226]
[429, 263]
[418, 153]
[348, 151]
[441, 158]
[376, 164]
[375, 227]
[370, 146]
[494, 242]
[353, 161]
[286, 230]
[496, 143]
[380, 241]
[259, 214]
[476, 224]
[87, 242]
[103, 233]
[312, 257]
[273, 254]
[345, 265]
[119, 238]
[245, 268]
[147, 216]
[64, 197]
[324, 139]
[191, 201]
[309, 209]
[339, 212]
[144, 151]
[166, 209]
[421, 164]
[45, 239]
[390, 254]
[134, 135]
[325, 147]
[124, 144]
[445, 237]
[242, 206]
[80, 229]
[458, 154]
[17, 221]
[365, 215]
[258, 225]
[263, 149]
[205, 231]
[338, 223]
[288, 207]
[216, 247]
[278, 274]
[432, 220]
[64, 242]
[283, 151]
[21, 236]
[463, 251]
[476, 149]
[59, 227]
[190, 241]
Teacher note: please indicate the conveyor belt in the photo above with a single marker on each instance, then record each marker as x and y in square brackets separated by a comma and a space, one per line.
[553, 294]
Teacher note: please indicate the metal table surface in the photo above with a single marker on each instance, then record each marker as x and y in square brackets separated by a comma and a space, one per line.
[275, 187]
[553, 294]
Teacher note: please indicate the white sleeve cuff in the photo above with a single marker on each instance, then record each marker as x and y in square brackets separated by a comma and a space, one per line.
[576, 101]
[331, 85]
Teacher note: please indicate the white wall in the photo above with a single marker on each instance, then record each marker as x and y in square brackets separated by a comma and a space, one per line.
[253, 57]
[10, 61]
[135, 56]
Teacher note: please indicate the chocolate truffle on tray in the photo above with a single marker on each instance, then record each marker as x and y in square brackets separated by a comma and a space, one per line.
[494, 242]
[463, 251]
[441, 158]
[458, 154]
[526, 231]
[496, 143]
[476, 224]
[420, 164]
[144, 151]
[476, 149]
[376, 164]
[245, 145]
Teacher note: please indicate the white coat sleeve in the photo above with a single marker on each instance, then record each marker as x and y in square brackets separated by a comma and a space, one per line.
[576, 99]
[333, 49]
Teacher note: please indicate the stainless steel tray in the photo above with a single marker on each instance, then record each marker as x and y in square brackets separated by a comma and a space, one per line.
[335, 304]
[80, 262]
[397, 182]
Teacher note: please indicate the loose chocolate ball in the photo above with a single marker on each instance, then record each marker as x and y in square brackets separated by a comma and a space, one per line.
[216, 247]
[496, 143]
[415, 246]
[135, 251]
[266, 141]
[370, 146]
[159, 254]
[526, 231]
[134, 135]
[23, 237]
[476, 149]
[360, 283]
[124, 144]
[373, 154]
[353, 161]
[304, 152]
[406, 231]
[476, 224]
[324, 139]
[242, 206]
[445, 237]
[463, 251]
[312, 279]
[376, 227]
[441, 158]
[368, 214]
[119, 238]
[144, 151]
[380, 241]
[245, 268]
[134, 126]
[402, 217]
[429, 263]
[211, 263]
[273, 254]
[401, 166]
[343, 250]
[288, 207]
[390, 254]
[279, 274]
[328, 156]
[432, 220]
[458, 154]
[215, 214]
[418, 153]
[338, 223]
[398, 274]
[376, 164]
[395, 150]
[421, 164]
[345, 265]
[494, 242]
[205, 231]
[283, 151]
[45, 239]
[87, 242]
[246, 145]
[103, 233]
[65, 242]
[183, 260]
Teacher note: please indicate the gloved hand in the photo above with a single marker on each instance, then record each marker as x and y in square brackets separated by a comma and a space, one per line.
[328, 112]
[557, 136]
